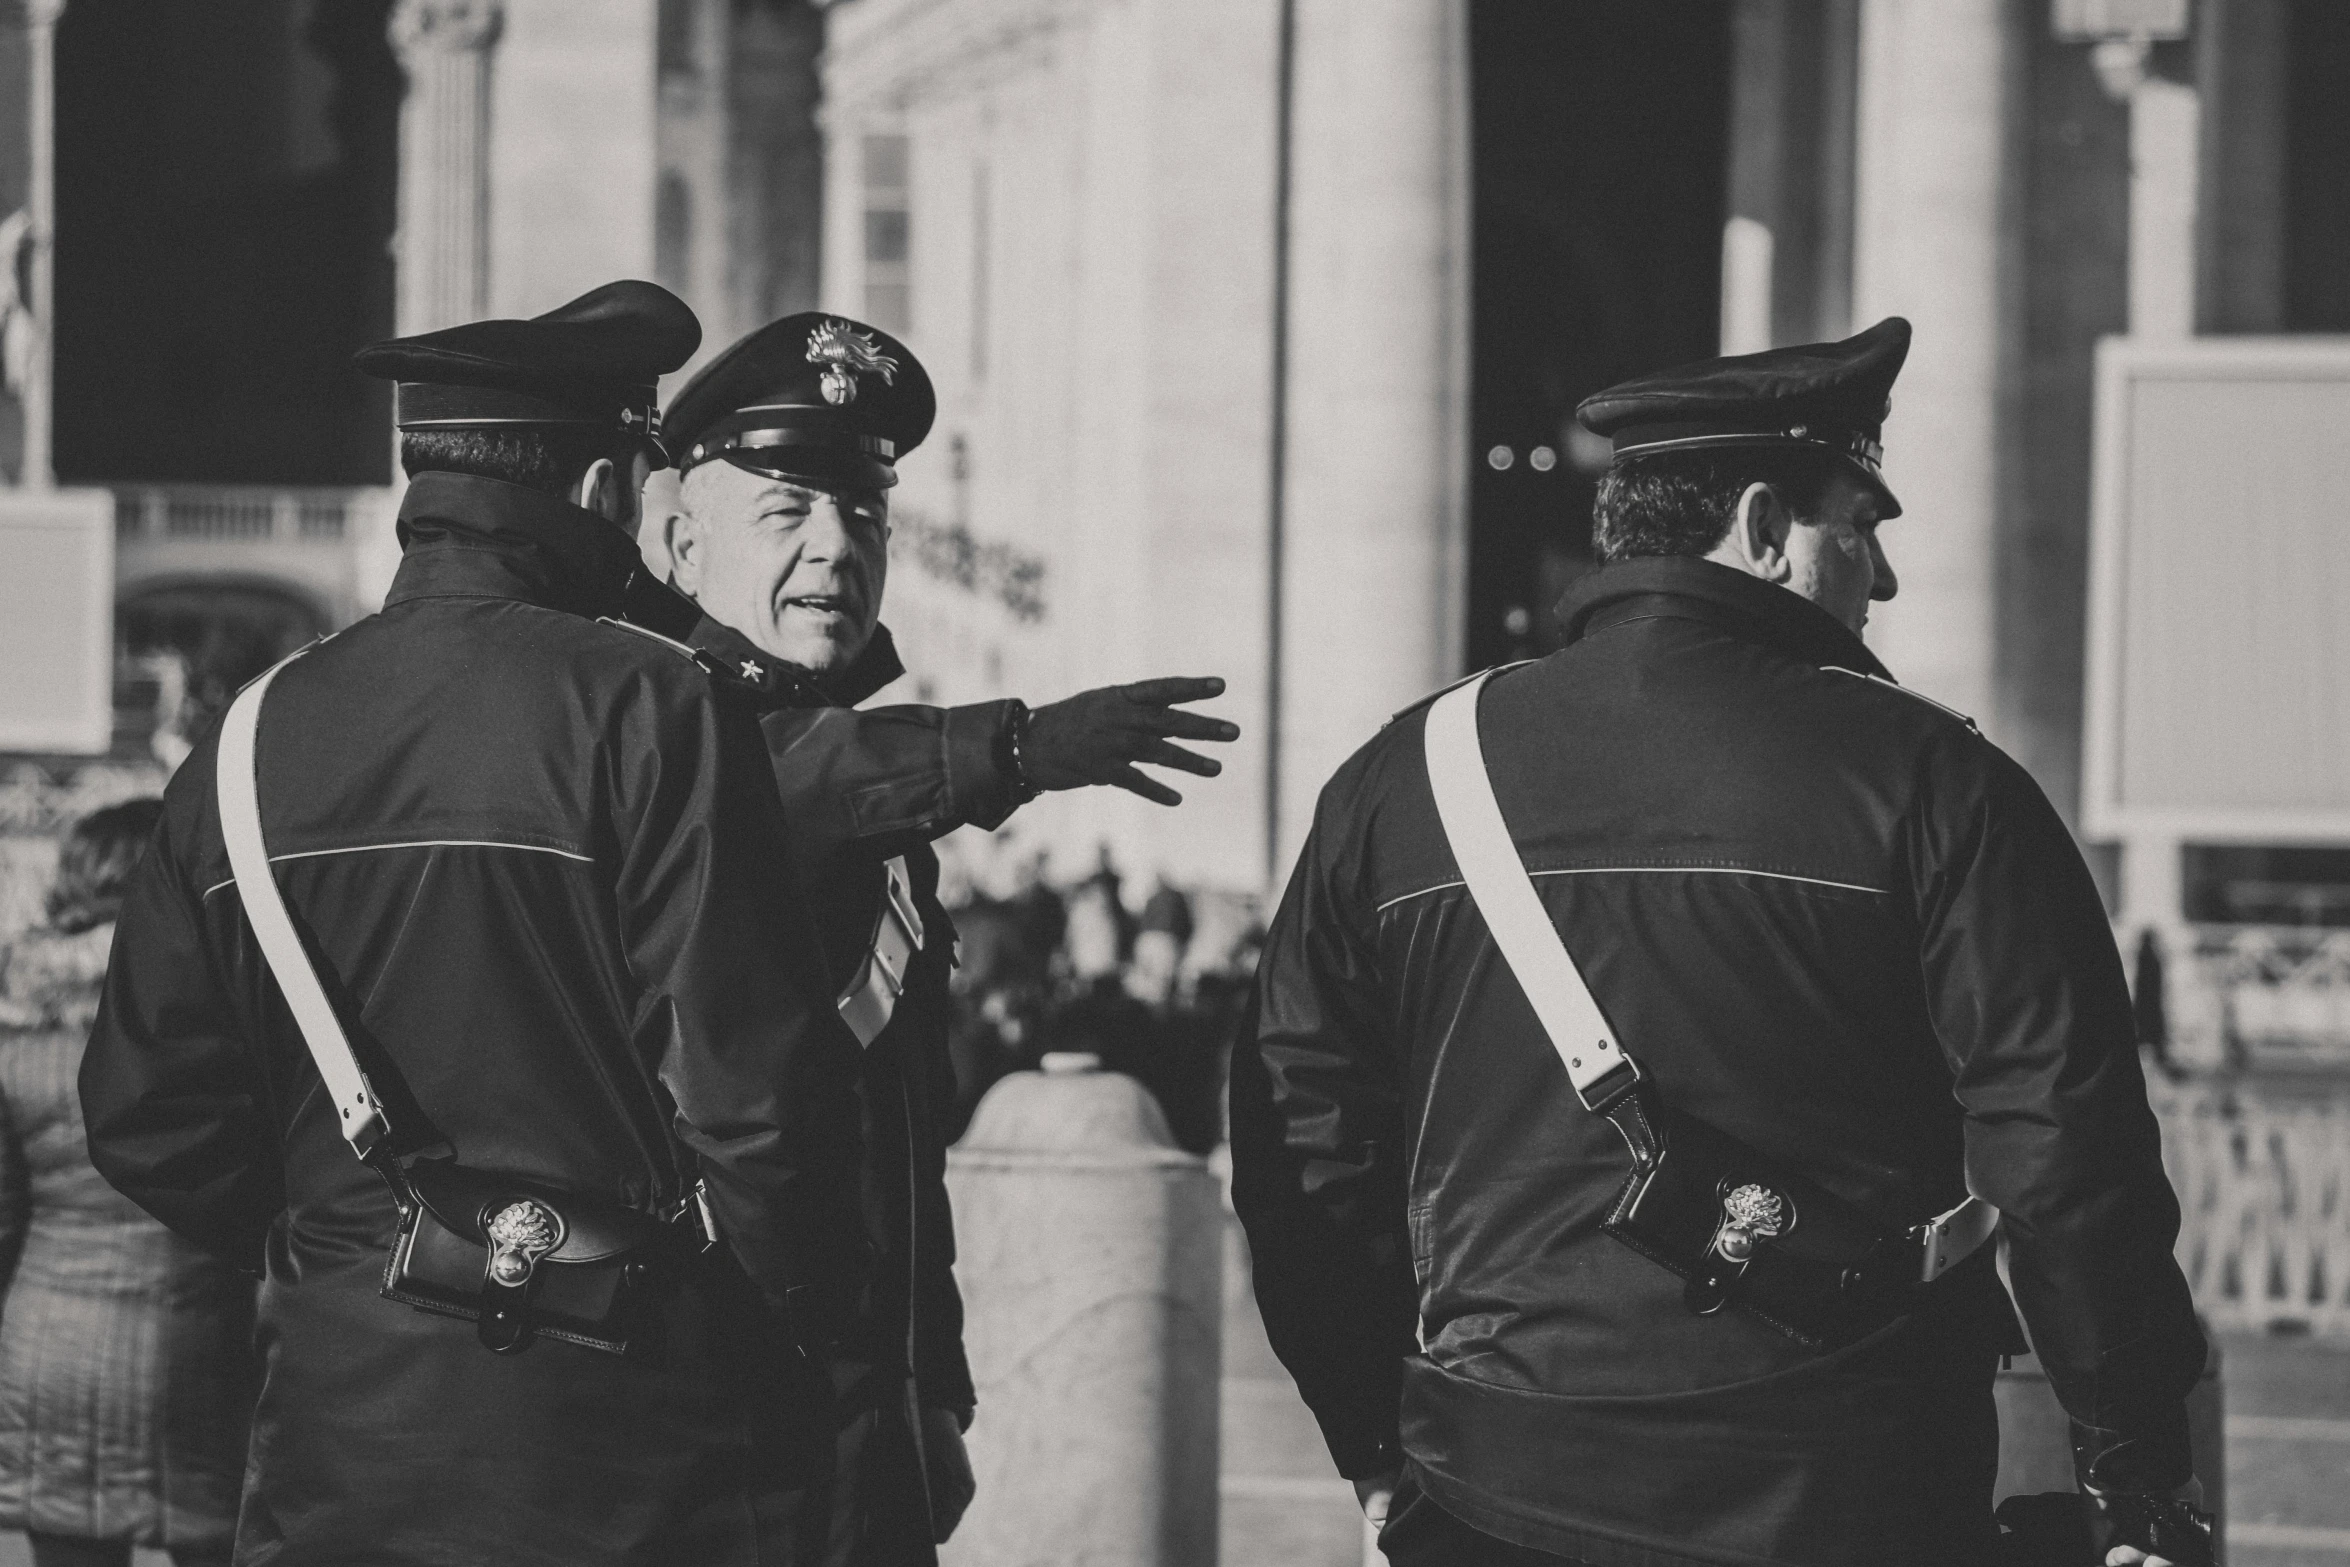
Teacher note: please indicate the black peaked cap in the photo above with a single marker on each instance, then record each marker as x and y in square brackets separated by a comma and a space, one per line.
[1832, 396]
[595, 361]
[813, 396]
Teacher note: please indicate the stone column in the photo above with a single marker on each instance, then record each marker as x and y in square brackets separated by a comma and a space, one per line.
[41, 18]
[1930, 228]
[444, 236]
[2165, 137]
[1375, 499]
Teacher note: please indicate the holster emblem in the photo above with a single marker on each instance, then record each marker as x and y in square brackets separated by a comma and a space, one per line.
[1750, 1214]
[520, 1234]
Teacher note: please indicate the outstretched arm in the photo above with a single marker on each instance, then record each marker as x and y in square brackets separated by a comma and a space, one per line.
[886, 779]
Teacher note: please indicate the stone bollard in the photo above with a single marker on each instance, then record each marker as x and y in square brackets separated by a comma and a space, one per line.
[1090, 1259]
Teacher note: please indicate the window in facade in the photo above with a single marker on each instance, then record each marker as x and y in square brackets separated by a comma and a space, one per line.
[673, 232]
[676, 44]
[888, 273]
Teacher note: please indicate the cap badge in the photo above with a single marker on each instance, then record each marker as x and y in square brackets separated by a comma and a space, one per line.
[845, 352]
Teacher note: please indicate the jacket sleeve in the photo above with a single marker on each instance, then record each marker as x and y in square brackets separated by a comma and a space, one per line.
[2028, 998]
[1317, 1161]
[16, 1194]
[762, 1072]
[177, 1116]
[883, 780]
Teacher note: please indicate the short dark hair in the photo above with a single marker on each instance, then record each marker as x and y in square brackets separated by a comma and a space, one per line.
[1682, 502]
[548, 458]
[95, 862]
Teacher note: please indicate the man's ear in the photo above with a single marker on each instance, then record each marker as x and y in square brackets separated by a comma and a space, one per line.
[682, 537]
[599, 490]
[1758, 532]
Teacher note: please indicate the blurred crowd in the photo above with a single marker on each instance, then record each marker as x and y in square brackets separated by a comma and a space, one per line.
[127, 1374]
[1154, 986]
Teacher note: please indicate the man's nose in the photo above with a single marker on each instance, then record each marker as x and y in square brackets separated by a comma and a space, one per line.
[825, 535]
[1886, 584]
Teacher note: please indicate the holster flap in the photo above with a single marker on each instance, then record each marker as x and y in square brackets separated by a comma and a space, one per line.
[594, 1229]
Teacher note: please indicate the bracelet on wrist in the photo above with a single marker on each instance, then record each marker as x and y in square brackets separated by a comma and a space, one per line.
[1015, 760]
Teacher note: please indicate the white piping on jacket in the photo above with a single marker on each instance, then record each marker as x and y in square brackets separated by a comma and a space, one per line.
[1654, 870]
[419, 843]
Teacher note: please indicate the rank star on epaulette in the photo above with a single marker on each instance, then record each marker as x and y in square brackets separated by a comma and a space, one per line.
[752, 672]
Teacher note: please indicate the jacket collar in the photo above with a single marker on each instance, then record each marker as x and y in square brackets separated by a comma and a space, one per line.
[465, 537]
[872, 669]
[1683, 587]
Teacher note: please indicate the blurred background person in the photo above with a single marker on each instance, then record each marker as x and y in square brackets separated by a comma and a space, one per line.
[126, 1373]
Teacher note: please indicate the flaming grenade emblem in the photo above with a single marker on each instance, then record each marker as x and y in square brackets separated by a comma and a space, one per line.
[520, 1234]
[1749, 1214]
[845, 353]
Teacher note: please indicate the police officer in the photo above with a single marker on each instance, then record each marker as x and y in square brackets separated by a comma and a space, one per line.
[1550, 1306]
[519, 843]
[788, 443]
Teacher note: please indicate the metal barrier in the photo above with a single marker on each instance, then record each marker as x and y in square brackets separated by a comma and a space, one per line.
[2262, 1169]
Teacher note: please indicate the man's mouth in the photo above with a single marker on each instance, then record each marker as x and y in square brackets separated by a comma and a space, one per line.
[828, 604]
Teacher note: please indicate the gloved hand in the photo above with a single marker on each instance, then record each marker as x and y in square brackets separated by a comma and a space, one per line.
[2157, 1530]
[1097, 737]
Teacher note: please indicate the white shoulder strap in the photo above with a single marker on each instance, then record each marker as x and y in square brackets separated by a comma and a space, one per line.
[363, 1120]
[1505, 895]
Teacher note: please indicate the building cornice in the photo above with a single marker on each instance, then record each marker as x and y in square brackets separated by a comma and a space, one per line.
[883, 55]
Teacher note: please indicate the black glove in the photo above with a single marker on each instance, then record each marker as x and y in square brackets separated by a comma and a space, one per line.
[1097, 737]
[2170, 1527]
[2137, 1502]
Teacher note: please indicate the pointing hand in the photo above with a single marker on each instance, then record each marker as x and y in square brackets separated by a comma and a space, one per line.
[1097, 737]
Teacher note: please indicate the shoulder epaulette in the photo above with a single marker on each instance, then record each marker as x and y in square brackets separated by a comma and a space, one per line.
[1475, 674]
[708, 664]
[1895, 685]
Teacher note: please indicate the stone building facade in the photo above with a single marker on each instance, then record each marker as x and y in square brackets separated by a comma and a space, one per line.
[1257, 323]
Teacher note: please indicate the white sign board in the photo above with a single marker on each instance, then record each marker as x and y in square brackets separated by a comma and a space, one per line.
[56, 620]
[2219, 617]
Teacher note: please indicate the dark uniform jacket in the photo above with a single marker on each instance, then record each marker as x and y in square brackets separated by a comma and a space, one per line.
[525, 849]
[1824, 915]
[859, 787]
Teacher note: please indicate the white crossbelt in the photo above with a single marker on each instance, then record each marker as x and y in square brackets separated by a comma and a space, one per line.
[1530, 946]
[871, 999]
[362, 1117]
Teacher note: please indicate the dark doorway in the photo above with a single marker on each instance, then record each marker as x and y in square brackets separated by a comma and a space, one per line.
[1600, 147]
[183, 650]
[226, 185]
